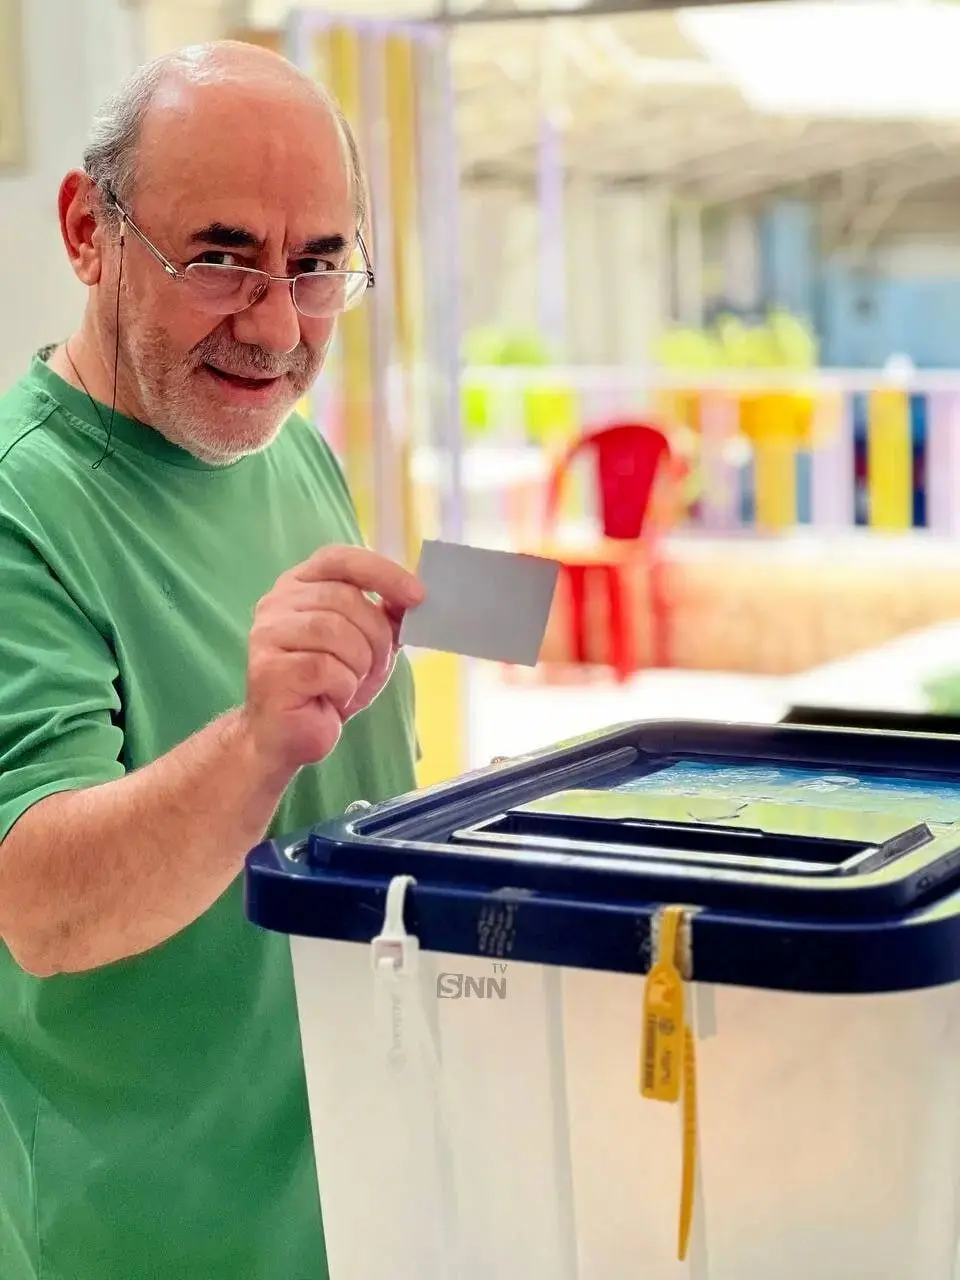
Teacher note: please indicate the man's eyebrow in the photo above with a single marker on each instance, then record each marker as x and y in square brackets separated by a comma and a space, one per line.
[322, 246]
[224, 237]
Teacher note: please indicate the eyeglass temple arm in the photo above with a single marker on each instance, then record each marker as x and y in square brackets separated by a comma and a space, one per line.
[127, 221]
[367, 264]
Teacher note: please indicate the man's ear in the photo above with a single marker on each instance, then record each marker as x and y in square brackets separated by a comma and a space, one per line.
[81, 225]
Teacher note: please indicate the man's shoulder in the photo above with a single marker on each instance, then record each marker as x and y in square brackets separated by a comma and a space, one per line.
[32, 440]
[22, 412]
[39, 453]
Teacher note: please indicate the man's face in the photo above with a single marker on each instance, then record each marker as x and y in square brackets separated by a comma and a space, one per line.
[226, 177]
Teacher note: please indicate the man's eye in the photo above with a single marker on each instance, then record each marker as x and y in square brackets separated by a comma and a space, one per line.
[219, 258]
[309, 266]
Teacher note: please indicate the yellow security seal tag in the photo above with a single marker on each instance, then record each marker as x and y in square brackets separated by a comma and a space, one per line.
[661, 1063]
[668, 1070]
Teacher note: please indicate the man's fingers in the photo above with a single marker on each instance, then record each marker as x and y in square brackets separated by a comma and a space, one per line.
[321, 675]
[316, 598]
[302, 676]
[326, 632]
[365, 570]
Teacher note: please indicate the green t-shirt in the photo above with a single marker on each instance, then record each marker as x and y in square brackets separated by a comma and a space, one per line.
[153, 1113]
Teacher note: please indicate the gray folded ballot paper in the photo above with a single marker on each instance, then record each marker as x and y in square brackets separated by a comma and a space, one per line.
[481, 603]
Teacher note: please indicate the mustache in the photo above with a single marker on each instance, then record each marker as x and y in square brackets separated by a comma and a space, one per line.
[242, 358]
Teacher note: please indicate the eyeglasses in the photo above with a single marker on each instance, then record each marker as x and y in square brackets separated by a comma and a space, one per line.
[225, 290]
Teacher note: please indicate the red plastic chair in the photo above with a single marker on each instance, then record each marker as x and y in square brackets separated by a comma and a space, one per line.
[629, 458]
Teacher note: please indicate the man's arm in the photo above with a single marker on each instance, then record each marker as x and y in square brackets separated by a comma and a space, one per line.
[89, 877]
[91, 874]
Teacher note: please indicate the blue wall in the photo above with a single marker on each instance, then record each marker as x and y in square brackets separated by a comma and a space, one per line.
[862, 318]
[789, 257]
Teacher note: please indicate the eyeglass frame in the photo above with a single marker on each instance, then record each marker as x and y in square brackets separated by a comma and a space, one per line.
[180, 274]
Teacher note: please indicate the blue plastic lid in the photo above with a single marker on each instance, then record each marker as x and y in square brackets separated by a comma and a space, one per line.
[814, 859]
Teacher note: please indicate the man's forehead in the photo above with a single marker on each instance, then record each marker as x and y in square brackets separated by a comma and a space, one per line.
[233, 141]
[257, 203]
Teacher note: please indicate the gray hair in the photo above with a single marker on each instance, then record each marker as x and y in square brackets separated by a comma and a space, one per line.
[111, 154]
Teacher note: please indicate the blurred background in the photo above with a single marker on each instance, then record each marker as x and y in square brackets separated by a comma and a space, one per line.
[670, 293]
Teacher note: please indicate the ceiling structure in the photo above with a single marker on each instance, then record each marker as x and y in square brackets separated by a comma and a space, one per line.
[634, 100]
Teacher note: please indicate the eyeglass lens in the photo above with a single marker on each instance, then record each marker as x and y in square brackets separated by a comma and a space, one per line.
[227, 289]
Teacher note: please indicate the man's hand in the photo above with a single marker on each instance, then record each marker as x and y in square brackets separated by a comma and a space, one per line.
[321, 650]
[92, 876]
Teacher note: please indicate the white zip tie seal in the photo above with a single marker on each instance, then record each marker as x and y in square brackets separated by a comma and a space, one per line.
[393, 948]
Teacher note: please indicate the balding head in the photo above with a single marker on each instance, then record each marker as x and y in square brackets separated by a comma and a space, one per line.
[221, 76]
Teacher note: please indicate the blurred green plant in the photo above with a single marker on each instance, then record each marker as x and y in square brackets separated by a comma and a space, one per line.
[548, 412]
[496, 345]
[783, 342]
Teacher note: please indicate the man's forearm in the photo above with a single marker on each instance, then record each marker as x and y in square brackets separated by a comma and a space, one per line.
[90, 877]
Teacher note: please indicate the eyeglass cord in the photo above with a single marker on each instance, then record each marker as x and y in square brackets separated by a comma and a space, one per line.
[107, 427]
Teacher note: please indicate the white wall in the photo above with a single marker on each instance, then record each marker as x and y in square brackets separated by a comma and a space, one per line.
[168, 24]
[75, 53]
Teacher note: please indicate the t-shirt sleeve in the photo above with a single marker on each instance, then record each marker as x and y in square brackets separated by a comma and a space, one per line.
[58, 697]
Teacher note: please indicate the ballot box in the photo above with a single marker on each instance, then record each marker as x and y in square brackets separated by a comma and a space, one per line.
[666, 1001]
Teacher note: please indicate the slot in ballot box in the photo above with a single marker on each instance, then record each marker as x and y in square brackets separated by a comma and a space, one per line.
[670, 1000]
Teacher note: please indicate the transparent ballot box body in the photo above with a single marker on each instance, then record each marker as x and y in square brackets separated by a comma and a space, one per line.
[479, 1017]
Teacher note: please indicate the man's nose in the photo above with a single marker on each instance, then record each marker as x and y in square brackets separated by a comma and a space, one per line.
[272, 322]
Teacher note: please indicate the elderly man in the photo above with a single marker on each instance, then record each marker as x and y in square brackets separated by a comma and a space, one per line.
[195, 649]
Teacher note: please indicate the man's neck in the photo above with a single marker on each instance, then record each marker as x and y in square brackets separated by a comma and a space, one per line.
[60, 363]
[79, 362]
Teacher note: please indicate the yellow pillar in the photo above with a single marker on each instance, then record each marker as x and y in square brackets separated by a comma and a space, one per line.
[407, 259]
[775, 462]
[441, 715]
[889, 461]
[342, 49]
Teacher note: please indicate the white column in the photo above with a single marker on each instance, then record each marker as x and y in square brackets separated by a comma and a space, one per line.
[499, 272]
[590, 270]
[499, 247]
[634, 247]
[741, 259]
[688, 265]
[513, 253]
